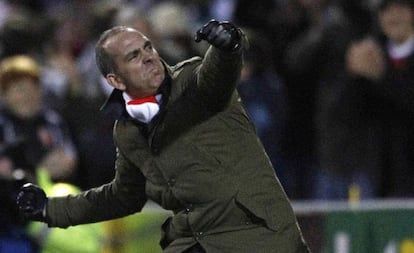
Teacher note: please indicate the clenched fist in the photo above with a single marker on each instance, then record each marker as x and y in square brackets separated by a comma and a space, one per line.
[365, 58]
[223, 35]
[31, 201]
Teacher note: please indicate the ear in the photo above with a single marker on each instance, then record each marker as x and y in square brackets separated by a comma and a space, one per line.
[115, 81]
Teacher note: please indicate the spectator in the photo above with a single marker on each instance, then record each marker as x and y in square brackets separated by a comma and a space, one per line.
[281, 22]
[40, 132]
[302, 70]
[264, 95]
[374, 108]
[92, 131]
[343, 147]
[394, 92]
[172, 28]
[31, 137]
[23, 32]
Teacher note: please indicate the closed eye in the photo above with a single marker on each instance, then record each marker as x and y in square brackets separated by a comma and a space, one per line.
[133, 55]
[148, 45]
[137, 52]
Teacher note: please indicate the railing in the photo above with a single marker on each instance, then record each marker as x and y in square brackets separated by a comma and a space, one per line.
[369, 226]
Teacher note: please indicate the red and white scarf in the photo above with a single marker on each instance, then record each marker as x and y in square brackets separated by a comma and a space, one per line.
[142, 109]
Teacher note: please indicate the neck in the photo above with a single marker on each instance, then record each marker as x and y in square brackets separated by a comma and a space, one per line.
[403, 49]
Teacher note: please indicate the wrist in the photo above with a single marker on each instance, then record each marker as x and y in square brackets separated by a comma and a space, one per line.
[44, 212]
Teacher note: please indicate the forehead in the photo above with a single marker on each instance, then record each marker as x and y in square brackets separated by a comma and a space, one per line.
[16, 84]
[401, 4]
[125, 41]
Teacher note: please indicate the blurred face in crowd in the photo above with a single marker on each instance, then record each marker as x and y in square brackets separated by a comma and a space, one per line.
[396, 22]
[139, 70]
[23, 96]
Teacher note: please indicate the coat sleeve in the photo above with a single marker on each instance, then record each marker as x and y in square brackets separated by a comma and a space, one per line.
[217, 76]
[123, 196]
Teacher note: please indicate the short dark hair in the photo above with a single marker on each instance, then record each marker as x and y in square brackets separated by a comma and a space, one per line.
[104, 60]
[384, 3]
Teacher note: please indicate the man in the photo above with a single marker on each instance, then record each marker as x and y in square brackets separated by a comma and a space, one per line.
[38, 135]
[185, 142]
[383, 69]
[33, 137]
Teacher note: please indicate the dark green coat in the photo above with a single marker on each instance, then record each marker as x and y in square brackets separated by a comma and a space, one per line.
[200, 158]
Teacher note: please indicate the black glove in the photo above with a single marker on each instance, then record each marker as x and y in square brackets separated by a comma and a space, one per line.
[31, 201]
[223, 35]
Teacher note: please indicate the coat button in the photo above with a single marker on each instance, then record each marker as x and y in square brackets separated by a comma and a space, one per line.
[188, 208]
[199, 235]
[171, 182]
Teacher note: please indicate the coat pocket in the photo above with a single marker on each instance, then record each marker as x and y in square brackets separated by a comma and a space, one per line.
[165, 240]
[276, 214]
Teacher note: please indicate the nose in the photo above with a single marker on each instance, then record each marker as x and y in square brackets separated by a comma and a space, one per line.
[148, 57]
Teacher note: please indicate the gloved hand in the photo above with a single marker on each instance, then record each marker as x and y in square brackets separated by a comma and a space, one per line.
[31, 201]
[223, 35]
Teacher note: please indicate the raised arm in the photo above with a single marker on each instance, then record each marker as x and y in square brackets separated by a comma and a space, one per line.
[219, 72]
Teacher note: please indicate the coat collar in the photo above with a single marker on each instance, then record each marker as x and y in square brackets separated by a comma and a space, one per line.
[114, 106]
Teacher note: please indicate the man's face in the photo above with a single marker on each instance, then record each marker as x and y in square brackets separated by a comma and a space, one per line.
[23, 97]
[140, 71]
[396, 22]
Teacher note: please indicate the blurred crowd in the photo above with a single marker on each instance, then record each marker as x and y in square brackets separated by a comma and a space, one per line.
[329, 85]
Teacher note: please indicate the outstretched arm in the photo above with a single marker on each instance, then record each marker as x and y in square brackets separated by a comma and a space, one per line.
[123, 196]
